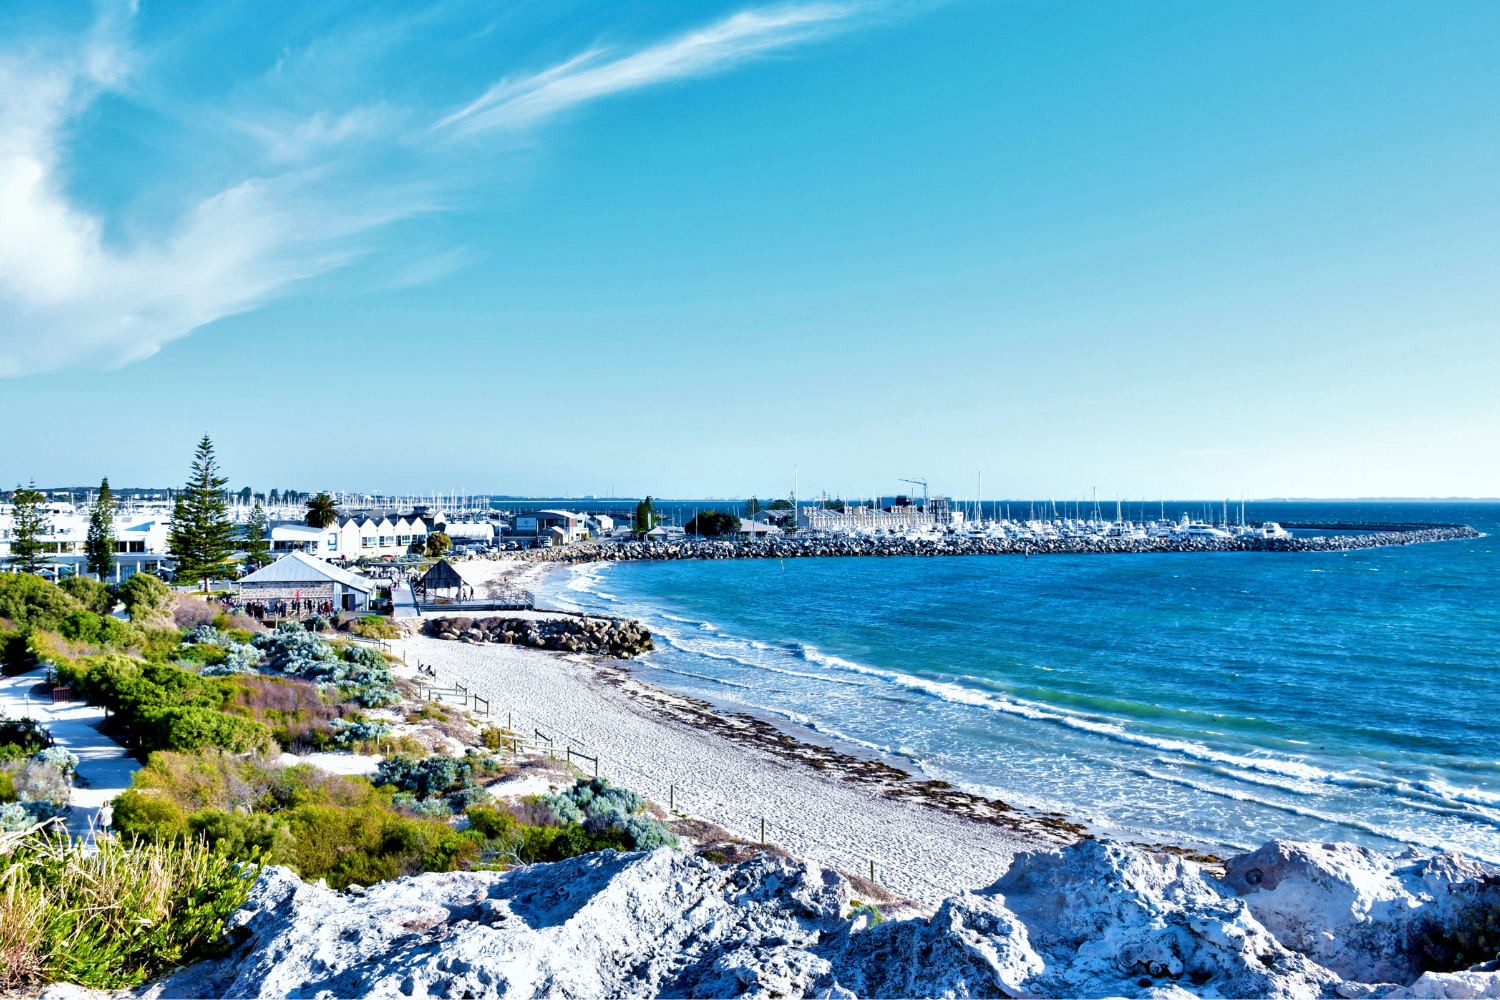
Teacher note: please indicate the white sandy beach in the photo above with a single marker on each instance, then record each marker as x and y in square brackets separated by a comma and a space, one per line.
[918, 851]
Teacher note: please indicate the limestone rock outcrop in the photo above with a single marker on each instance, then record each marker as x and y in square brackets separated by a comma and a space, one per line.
[1094, 919]
[1370, 917]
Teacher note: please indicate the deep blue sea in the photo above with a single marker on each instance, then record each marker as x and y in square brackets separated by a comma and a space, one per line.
[1218, 699]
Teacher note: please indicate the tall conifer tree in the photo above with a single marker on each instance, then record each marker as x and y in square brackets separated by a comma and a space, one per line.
[29, 523]
[645, 517]
[203, 538]
[99, 546]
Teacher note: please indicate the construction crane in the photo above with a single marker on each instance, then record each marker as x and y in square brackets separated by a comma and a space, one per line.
[922, 483]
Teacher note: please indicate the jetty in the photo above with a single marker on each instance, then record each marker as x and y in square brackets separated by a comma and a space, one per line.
[1365, 536]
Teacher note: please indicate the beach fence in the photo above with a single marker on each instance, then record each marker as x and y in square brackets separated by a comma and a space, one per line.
[681, 805]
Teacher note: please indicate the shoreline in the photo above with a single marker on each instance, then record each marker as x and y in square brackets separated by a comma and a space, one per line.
[819, 803]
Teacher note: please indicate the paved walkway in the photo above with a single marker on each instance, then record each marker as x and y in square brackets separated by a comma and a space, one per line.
[404, 601]
[104, 769]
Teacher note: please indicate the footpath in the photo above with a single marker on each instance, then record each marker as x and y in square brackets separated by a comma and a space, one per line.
[104, 768]
[404, 601]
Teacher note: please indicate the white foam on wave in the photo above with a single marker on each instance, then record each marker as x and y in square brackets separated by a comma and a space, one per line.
[1281, 773]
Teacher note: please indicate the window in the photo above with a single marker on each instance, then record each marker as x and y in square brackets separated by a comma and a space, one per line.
[333, 542]
[403, 539]
[387, 539]
[130, 546]
[367, 541]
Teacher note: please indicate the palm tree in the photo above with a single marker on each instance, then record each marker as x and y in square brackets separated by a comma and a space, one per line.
[321, 512]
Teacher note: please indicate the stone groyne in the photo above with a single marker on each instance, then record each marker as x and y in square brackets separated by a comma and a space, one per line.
[1372, 536]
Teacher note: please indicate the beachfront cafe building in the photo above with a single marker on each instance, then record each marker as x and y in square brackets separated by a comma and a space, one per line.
[299, 586]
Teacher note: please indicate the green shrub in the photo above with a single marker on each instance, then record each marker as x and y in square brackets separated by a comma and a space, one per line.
[115, 917]
[15, 655]
[32, 602]
[140, 815]
[600, 807]
[195, 728]
[94, 595]
[26, 735]
[147, 599]
[202, 653]
[245, 835]
[159, 706]
[98, 630]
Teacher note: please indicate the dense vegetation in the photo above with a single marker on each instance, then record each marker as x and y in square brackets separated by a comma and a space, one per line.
[353, 830]
[113, 917]
[212, 705]
[713, 524]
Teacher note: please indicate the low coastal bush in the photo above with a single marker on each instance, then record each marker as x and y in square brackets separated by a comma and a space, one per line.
[596, 805]
[94, 595]
[225, 651]
[112, 918]
[31, 602]
[22, 738]
[99, 630]
[348, 829]
[35, 789]
[321, 825]
[147, 600]
[506, 839]
[375, 627]
[358, 673]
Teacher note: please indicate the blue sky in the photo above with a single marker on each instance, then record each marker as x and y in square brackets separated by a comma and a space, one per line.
[682, 248]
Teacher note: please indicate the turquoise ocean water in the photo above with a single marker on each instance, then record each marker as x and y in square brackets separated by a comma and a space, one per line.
[1220, 698]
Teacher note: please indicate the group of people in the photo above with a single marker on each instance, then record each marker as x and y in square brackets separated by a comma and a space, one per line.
[283, 608]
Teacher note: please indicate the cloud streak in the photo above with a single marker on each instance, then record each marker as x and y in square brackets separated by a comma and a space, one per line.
[523, 102]
[308, 203]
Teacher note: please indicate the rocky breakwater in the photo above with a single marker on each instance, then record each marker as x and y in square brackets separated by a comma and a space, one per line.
[1093, 919]
[793, 548]
[620, 638]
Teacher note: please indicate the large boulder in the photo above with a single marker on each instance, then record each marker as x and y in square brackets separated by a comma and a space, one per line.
[1110, 919]
[604, 924]
[1368, 916]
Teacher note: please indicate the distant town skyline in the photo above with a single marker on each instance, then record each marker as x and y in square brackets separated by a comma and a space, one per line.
[672, 249]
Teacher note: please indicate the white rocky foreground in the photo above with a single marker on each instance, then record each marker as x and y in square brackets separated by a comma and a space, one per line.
[1094, 919]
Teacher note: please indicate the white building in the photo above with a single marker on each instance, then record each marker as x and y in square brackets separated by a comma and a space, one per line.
[559, 525]
[304, 538]
[470, 532]
[140, 542]
[750, 527]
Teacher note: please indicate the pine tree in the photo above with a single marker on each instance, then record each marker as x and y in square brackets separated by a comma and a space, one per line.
[29, 523]
[644, 516]
[203, 537]
[99, 546]
[257, 549]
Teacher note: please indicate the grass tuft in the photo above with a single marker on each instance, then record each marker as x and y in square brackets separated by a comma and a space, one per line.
[114, 917]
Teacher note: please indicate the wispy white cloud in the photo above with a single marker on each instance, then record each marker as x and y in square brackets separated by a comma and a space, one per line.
[521, 102]
[70, 295]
